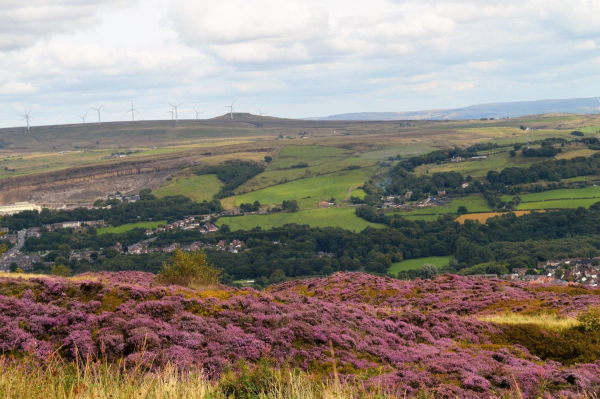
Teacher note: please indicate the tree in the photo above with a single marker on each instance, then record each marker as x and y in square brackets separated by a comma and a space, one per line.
[589, 319]
[268, 158]
[291, 206]
[462, 210]
[429, 271]
[225, 228]
[61, 270]
[512, 153]
[189, 269]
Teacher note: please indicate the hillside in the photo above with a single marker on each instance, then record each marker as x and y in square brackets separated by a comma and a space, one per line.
[395, 337]
[492, 110]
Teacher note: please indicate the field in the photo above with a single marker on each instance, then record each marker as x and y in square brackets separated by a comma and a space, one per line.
[130, 226]
[412, 264]
[310, 191]
[557, 199]
[197, 188]
[328, 217]
[473, 203]
[483, 217]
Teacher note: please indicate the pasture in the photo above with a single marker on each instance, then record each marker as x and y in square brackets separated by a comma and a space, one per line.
[558, 199]
[130, 226]
[413, 264]
[197, 188]
[310, 191]
[473, 203]
[344, 218]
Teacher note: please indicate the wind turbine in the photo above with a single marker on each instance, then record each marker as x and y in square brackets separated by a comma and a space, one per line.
[83, 117]
[98, 109]
[132, 110]
[231, 107]
[175, 111]
[197, 113]
[172, 114]
[26, 117]
[259, 112]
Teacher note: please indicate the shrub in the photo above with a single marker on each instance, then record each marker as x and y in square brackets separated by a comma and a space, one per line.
[590, 319]
[189, 269]
[61, 270]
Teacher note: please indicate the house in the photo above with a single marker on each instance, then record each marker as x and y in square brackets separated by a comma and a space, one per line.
[520, 271]
[135, 249]
[118, 246]
[149, 233]
[408, 195]
[457, 159]
[464, 185]
[211, 228]
[171, 248]
[441, 193]
[221, 245]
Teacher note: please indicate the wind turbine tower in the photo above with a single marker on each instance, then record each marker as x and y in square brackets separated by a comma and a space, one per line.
[259, 112]
[83, 117]
[231, 108]
[175, 111]
[197, 113]
[26, 117]
[133, 111]
[98, 109]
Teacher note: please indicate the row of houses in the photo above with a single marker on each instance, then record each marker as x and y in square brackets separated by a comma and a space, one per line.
[185, 224]
[561, 272]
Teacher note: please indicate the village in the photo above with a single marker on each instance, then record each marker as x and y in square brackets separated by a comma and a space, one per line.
[15, 258]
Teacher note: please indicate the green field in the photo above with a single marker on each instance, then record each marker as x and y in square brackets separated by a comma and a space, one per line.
[473, 203]
[197, 188]
[309, 192]
[321, 160]
[412, 264]
[478, 169]
[555, 199]
[312, 155]
[130, 226]
[328, 217]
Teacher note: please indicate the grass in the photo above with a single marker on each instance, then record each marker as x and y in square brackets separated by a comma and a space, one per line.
[130, 226]
[478, 169]
[550, 322]
[344, 218]
[312, 155]
[485, 216]
[197, 188]
[473, 203]
[559, 199]
[309, 192]
[413, 264]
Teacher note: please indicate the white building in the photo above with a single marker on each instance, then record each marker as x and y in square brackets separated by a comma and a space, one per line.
[18, 207]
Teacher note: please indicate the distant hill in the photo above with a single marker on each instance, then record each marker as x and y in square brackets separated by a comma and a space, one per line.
[493, 110]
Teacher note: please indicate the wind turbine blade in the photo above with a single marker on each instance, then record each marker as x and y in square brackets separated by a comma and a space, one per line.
[101, 107]
[233, 102]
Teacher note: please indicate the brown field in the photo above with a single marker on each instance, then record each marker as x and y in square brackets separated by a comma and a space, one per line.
[483, 217]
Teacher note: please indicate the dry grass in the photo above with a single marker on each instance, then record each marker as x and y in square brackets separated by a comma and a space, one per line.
[546, 321]
[485, 216]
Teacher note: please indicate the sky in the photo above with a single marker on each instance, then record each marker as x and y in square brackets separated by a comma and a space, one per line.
[290, 58]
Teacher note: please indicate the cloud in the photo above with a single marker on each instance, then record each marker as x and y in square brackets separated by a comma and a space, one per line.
[295, 57]
[24, 23]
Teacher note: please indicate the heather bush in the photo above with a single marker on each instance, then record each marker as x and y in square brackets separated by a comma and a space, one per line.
[414, 338]
[189, 269]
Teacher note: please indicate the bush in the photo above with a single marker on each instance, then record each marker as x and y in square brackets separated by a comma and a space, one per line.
[590, 319]
[60, 270]
[189, 269]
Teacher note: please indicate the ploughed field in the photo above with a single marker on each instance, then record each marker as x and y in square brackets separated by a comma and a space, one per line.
[449, 337]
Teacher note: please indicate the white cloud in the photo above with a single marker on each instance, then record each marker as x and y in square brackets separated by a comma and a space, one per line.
[298, 57]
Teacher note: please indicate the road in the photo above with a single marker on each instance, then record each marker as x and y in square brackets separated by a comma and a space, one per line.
[15, 250]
